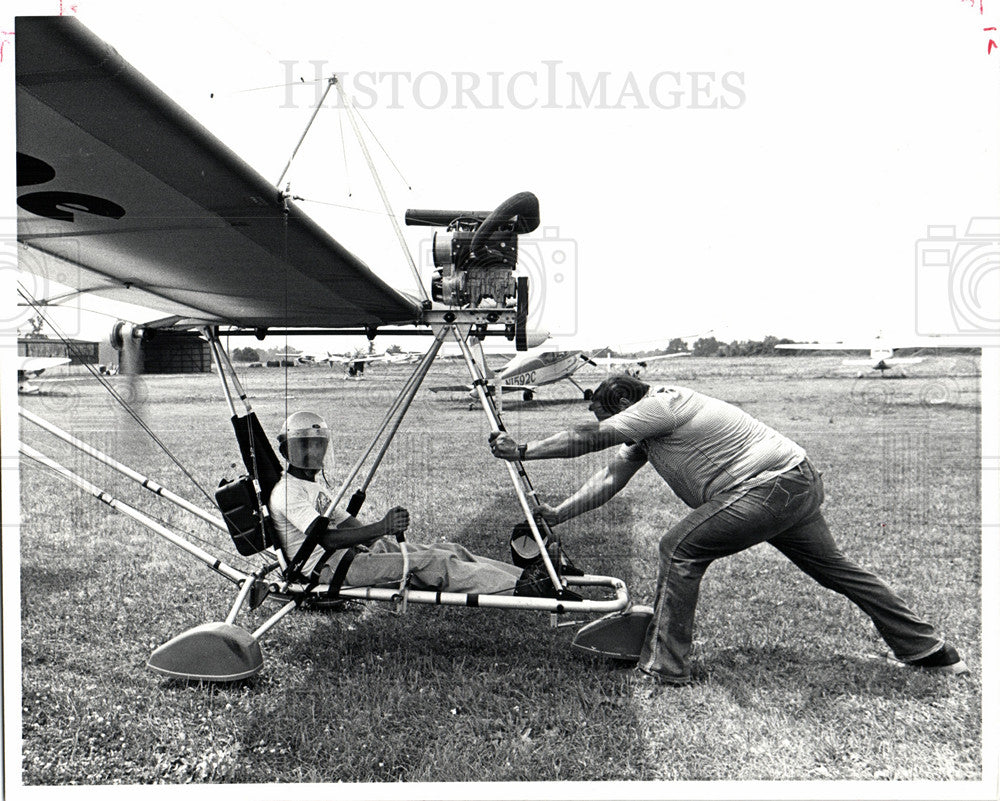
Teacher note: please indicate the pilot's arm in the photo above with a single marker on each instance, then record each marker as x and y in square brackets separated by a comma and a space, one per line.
[352, 532]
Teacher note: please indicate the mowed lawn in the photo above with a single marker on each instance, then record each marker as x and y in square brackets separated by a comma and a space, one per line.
[787, 686]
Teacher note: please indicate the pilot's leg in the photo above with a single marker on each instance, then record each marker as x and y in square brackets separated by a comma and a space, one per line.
[448, 567]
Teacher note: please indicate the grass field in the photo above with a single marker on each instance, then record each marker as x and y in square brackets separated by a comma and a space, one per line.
[785, 684]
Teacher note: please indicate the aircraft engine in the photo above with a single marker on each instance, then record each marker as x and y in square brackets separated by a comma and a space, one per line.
[476, 255]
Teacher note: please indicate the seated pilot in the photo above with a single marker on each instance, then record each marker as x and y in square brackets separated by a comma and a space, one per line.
[298, 503]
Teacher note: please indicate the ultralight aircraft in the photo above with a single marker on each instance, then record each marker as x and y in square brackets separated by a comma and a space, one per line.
[117, 180]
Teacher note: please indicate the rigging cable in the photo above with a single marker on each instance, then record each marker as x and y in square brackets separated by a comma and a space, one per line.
[386, 152]
[81, 357]
[381, 191]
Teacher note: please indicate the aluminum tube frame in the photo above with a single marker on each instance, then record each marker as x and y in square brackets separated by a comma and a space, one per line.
[403, 401]
[213, 342]
[620, 602]
[233, 375]
[213, 562]
[274, 619]
[125, 470]
[242, 596]
[518, 475]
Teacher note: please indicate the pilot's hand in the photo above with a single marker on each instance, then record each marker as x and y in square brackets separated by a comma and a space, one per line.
[503, 446]
[547, 513]
[396, 520]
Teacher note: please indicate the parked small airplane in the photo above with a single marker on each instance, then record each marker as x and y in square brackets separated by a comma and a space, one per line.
[29, 367]
[880, 355]
[535, 368]
[354, 365]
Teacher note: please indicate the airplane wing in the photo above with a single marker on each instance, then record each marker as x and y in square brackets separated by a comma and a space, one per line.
[822, 346]
[890, 361]
[470, 388]
[117, 180]
[36, 364]
[642, 359]
[451, 388]
[362, 359]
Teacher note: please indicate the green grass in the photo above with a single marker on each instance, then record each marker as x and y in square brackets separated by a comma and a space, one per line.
[785, 689]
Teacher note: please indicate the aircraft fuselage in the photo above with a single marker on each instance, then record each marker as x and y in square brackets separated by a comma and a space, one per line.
[545, 368]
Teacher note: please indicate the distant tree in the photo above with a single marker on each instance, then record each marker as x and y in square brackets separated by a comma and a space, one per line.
[246, 355]
[768, 345]
[36, 325]
[392, 350]
[706, 346]
[730, 349]
[677, 345]
[282, 353]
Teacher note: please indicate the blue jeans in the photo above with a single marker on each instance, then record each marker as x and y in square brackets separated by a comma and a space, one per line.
[784, 512]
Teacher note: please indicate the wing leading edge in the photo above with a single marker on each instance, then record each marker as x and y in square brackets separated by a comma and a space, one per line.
[116, 179]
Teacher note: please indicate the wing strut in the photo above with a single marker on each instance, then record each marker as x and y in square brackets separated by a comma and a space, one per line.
[329, 85]
[392, 420]
[518, 475]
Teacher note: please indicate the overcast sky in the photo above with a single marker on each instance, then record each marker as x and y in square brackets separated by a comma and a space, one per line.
[744, 168]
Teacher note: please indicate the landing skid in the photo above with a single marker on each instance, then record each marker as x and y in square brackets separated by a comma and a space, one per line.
[616, 636]
[224, 652]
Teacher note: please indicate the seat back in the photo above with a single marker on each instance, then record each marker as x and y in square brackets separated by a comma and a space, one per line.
[248, 523]
[258, 456]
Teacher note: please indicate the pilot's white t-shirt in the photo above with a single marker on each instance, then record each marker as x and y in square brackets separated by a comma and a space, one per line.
[295, 504]
[702, 446]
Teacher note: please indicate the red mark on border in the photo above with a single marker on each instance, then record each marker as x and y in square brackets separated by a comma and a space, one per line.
[992, 43]
[4, 40]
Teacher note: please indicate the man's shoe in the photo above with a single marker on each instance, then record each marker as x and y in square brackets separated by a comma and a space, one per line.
[944, 660]
[535, 582]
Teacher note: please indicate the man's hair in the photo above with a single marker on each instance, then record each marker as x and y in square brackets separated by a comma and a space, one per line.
[612, 391]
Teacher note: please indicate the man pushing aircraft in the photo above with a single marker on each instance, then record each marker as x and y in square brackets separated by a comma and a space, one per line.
[746, 484]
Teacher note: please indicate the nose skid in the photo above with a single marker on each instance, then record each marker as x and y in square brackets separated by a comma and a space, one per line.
[616, 636]
[210, 652]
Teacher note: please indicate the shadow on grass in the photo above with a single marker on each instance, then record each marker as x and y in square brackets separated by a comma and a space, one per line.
[54, 577]
[755, 677]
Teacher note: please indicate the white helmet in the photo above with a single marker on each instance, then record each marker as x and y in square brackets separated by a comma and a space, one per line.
[299, 440]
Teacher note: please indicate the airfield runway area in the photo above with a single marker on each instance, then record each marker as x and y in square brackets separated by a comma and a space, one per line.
[787, 681]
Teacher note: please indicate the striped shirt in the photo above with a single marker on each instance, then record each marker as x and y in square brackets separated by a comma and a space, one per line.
[702, 446]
